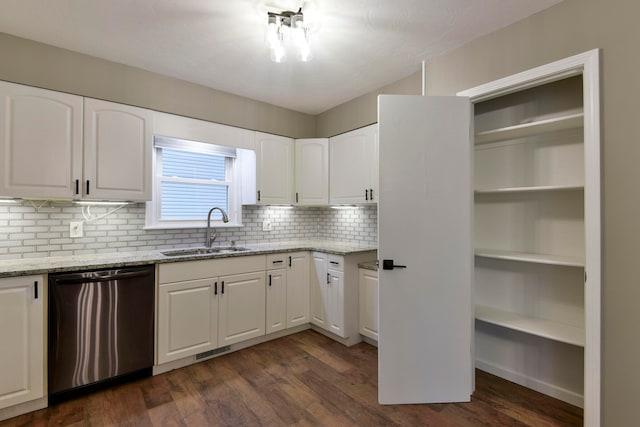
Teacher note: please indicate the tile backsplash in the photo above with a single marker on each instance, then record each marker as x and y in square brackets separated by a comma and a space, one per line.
[34, 229]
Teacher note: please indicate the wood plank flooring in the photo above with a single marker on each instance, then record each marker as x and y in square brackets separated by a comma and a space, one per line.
[304, 379]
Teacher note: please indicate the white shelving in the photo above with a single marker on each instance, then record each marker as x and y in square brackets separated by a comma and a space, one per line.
[538, 188]
[561, 260]
[554, 124]
[540, 327]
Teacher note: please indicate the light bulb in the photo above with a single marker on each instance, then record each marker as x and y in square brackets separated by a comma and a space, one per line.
[278, 53]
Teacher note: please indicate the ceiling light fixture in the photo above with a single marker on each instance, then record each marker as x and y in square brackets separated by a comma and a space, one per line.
[287, 27]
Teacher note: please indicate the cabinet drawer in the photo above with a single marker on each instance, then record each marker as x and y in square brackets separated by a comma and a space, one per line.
[335, 262]
[277, 261]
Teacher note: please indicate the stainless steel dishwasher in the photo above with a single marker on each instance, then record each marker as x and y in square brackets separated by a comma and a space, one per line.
[100, 328]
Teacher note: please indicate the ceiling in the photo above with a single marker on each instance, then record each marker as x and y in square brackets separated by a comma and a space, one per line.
[358, 45]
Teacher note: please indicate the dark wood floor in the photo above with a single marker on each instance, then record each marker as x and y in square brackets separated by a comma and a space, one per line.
[304, 379]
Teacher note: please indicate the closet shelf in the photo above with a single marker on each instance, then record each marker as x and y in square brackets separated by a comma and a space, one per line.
[539, 327]
[569, 121]
[539, 188]
[562, 260]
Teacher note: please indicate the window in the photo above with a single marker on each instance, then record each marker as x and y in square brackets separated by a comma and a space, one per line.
[189, 179]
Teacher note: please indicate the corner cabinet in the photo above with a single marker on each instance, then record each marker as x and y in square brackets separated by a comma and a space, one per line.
[274, 169]
[334, 293]
[537, 230]
[312, 172]
[353, 166]
[40, 143]
[22, 362]
[118, 145]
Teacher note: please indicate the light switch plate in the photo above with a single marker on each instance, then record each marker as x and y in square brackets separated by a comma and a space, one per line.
[267, 226]
[75, 229]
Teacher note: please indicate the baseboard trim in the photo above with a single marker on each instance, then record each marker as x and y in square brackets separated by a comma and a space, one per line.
[23, 408]
[543, 387]
[190, 360]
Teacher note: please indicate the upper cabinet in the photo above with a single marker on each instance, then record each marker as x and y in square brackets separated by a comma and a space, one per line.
[312, 171]
[45, 155]
[353, 171]
[117, 151]
[274, 169]
[40, 141]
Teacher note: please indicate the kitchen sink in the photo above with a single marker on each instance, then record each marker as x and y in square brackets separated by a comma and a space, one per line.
[204, 251]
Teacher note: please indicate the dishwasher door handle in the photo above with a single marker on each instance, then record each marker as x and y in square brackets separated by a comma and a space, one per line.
[72, 280]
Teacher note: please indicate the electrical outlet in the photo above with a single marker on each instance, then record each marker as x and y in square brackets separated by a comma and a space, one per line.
[267, 226]
[75, 229]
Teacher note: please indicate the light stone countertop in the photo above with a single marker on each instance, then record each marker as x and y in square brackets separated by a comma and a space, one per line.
[369, 265]
[28, 266]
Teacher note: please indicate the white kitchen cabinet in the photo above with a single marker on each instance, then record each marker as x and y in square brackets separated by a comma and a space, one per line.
[187, 318]
[319, 289]
[274, 169]
[312, 171]
[298, 276]
[353, 166]
[335, 296]
[368, 303]
[40, 143]
[118, 145]
[22, 363]
[276, 297]
[334, 293]
[204, 305]
[537, 235]
[242, 307]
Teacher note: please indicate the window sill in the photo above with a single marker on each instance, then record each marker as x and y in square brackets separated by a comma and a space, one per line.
[192, 225]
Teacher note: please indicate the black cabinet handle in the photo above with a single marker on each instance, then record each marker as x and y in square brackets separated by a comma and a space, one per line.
[278, 262]
[371, 194]
[296, 197]
[269, 280]
[35, 289]
[77, 186]
[215, 288]
[328, 280]
[366, 194]
[289, 261]
[258, 195]
[87, 187]
[223, 286]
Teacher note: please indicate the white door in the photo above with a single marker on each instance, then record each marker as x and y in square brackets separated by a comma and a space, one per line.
[276, 300]
[274, 169]
[242, 307]
[298, 289]
[425, 224]
[312, 171]
[335, 302]
[319, 283]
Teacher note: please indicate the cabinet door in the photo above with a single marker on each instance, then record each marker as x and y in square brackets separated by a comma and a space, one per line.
[187, 319]
[118, 144]
[40, 142]
[353, 166]
[274, 169]
[276, 300]
[368, 303]
[298, 289]
[242, 307]
[319, 284]
[22, 337]
[312, 171]
[335, 302]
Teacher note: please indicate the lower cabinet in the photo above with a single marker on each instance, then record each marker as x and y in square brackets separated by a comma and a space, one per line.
[334, 293]
[368, 303]
[22, 368]
[207, 304]
[187, 318]
[203, 305]
[241, 308]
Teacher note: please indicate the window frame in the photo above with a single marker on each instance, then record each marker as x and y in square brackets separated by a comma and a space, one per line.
[232, 181]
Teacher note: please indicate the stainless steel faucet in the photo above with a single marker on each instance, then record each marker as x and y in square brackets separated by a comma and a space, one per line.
[212, 236]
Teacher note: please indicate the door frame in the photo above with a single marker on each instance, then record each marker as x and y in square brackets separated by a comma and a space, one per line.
[586, 64]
